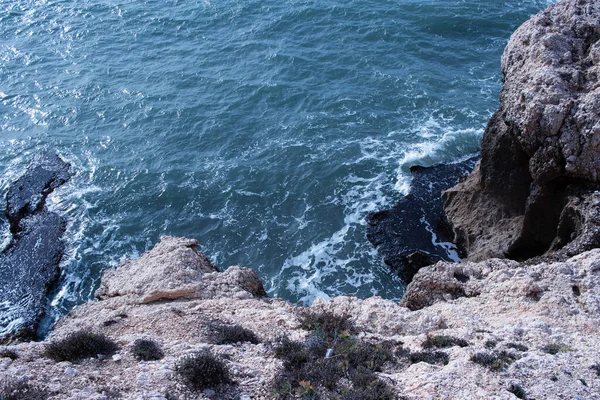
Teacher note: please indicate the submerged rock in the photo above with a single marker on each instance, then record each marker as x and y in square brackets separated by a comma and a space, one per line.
[29, 264]
[413, 234]
[541, 149]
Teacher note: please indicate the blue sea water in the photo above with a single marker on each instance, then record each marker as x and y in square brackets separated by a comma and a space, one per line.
[265, 129]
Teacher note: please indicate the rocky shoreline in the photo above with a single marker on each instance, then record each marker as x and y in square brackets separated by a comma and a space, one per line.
[519, 318]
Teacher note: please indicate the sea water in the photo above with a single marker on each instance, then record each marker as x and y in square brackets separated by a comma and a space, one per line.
[265, 129]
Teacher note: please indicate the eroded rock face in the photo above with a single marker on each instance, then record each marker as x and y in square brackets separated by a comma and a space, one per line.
[541, 149]
[29, 265]
[175, 269]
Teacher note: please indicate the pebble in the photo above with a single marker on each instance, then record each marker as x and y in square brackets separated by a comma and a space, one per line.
[142, 379]
[54, 387]
[5, 363]
[71, 372]
[117, 357]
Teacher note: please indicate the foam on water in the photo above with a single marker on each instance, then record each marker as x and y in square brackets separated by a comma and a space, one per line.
[267, 130]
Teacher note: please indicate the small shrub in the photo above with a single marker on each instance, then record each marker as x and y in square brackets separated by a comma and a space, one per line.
[146, 350]
[111, 393]
[517, 391]
[293, 353]
[202, 370]
[517, 346]
[368, 356]
[12, 389]
[230, 334]
[325, 323]
[9, 354]
[554, 378]
[441, 341]
[80, 345]
[490, 344]
[596, 367]
[307, 374]
[555, 348]
[369, 387]
[430, 357]
[496, 361]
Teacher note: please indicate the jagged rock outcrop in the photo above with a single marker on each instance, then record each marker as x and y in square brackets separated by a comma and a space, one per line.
[414, 232]
[29, 264]
[541, 150]
[542, 321]
[175, 269]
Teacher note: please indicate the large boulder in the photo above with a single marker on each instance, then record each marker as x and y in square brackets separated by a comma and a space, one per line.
[541, 149]
[175, 269]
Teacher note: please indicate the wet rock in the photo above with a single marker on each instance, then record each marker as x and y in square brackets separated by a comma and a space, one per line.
[413, 233]
[29, 265]
[28, 194]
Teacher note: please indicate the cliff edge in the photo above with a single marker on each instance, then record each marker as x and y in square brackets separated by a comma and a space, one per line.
[170, 325]
[496, 329]
[534, 191]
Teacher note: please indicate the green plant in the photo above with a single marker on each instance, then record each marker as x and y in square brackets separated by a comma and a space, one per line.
[490, 344]
[430, 357]
[517, 391]
[325, 323]
[314, 368]
[79, 345]
[146, 350]
[517, 346]
[202, 370]
[13, 389]
[369, 387]
[555, 348]
[229, 334]
[293, 353]
[441, 341]
[496, 360]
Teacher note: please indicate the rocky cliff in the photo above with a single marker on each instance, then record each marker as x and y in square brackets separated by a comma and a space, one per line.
[482, 330]
[535, 189]
[486, 328]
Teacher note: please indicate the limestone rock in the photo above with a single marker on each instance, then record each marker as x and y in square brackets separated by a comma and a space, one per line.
[516, 308]
[542, 145]
[175, 269]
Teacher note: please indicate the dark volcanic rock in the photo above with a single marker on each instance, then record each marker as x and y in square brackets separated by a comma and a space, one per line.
[540, 162]
[28, 194]
[412, 234]
[29, 264]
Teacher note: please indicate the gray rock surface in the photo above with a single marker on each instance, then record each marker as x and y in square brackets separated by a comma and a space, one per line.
[29, 265]
[541, 149]
[175, 269]
[507, 308]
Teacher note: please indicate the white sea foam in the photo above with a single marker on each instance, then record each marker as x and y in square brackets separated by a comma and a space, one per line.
[433, 152]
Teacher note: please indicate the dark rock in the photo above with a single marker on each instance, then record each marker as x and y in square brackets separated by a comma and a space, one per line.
[413, 233]
[29, 265]
[28, 193]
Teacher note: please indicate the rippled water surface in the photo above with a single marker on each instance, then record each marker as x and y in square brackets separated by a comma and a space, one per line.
[265, 129]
